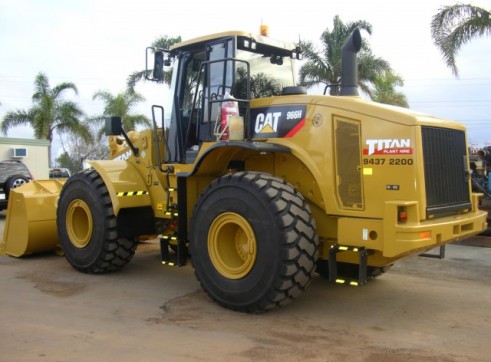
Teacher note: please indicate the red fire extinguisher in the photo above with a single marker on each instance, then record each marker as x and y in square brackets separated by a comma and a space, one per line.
[229, 108]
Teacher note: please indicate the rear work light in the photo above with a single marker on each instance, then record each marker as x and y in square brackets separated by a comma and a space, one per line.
[401, 214]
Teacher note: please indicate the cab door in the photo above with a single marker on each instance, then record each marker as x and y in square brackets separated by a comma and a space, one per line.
[218, 81]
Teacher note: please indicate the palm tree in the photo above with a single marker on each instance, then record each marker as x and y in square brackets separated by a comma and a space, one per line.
[455, 25]
[49, 113]
[324, 67]
[163, 42]
[121, 105]
[384, 89]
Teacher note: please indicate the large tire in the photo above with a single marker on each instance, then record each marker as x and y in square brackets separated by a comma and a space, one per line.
[253, 242]
[87, 226]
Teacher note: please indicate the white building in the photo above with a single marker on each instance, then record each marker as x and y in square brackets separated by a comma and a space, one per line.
[34, 153]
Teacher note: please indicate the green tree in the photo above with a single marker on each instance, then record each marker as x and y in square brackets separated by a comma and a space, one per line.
[79, 151]
[384, 89]
[50, 112]
[324, 67]
[163, 42]
[455, 25]
[122, 105]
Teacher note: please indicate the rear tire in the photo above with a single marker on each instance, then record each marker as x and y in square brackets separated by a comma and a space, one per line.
[87, 226]
[253, 242]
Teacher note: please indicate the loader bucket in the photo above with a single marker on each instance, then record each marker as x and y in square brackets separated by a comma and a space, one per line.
[30, 226]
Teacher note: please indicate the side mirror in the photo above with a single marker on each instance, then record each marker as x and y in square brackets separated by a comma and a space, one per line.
[113, 126]
[160, 58]
[158, 65]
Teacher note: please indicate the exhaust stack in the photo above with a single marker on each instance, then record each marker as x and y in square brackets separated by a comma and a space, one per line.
[349, 64]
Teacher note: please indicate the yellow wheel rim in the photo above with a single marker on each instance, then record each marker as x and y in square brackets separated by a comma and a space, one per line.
[232, 245]
[79, 223]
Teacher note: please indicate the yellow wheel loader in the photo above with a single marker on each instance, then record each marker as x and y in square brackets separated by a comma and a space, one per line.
[259, 183]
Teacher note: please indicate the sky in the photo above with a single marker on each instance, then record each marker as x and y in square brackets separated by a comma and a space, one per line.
[96, 44]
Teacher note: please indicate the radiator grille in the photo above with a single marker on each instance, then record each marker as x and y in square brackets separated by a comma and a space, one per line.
[348, 163]
[446, 173]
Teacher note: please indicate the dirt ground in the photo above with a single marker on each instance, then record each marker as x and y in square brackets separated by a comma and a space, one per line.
[423, 309]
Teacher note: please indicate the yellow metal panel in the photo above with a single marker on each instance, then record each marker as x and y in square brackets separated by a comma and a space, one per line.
[361, 232]
[393, 240]
[125, 183]
[402, 238]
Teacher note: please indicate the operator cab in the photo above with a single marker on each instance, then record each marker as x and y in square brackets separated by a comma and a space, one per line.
[217, 74]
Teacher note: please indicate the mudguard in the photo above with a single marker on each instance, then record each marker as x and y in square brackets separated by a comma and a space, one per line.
[127, 187]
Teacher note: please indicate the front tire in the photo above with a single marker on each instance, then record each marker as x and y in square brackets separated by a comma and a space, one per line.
[87, 226]
[253, 242]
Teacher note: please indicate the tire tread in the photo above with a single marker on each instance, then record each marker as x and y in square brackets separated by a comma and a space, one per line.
[116, 252]
[299, 249]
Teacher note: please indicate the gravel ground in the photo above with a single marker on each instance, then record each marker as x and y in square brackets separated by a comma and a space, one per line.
[423, 309]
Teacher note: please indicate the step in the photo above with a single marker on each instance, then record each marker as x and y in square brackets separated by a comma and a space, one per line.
[177, 257]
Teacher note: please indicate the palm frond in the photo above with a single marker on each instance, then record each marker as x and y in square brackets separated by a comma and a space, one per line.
[69, 110]
[384, 90]
[324, 67]
[130, 122]
[121, 105]
[79, 129]
[370, 66]
[143, 75]
[165, 41]
[103, 95]
[132, 98]
[309, 51]
[41, 86]
[17, 118]
[312, 73]
[136, 77]
[60, 88]
[455, 25]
